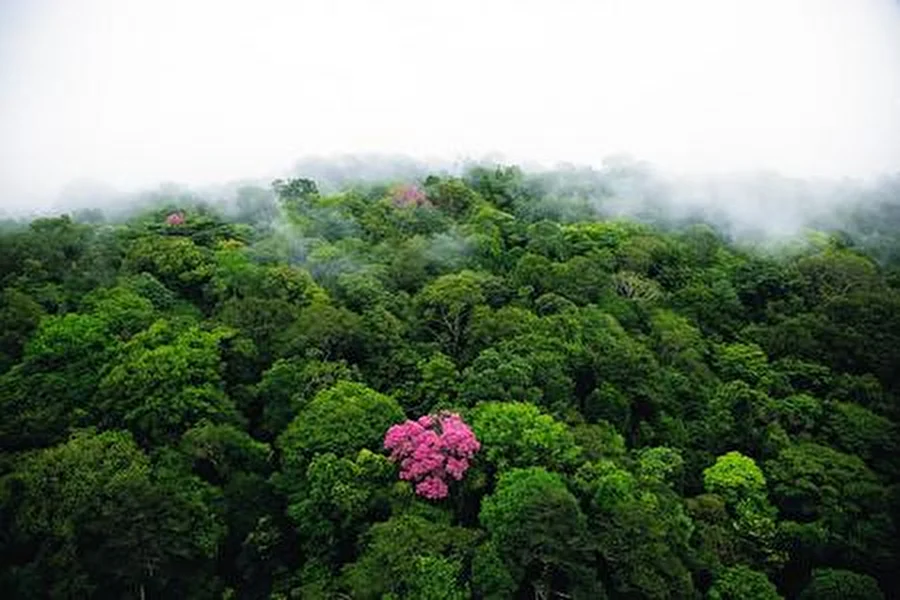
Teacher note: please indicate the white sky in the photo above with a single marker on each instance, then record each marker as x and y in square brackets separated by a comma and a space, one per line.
[132, 92]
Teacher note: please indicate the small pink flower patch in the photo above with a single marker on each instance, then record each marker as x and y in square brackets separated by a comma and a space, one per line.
[432, 488]
[176, 218]
[409, 195]
[431, 451]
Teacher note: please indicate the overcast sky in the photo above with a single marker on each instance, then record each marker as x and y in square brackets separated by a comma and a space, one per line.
[132, 92]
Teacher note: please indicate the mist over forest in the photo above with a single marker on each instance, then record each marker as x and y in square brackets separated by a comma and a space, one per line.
[760, 207]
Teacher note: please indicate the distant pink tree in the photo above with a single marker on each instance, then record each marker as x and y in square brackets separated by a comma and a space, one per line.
[431, 451]
[409, 195]
[176, 218]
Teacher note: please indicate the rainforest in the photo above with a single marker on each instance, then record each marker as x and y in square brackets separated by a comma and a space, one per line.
[489, 384]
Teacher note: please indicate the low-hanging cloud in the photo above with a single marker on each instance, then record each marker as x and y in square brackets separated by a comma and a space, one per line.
[101, 98]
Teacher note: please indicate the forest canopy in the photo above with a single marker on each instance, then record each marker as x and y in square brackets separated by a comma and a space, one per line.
[482, 385]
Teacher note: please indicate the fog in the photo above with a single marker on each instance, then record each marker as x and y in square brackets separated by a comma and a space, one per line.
[104, 97]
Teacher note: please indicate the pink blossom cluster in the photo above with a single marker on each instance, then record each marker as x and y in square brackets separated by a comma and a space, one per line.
[431, 450]
[408, 195]
[175, 218]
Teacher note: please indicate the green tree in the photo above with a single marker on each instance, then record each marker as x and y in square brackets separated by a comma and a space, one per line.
[735, 477]
[661, 465]
[518, 435]
[230, 459]
[837, 492]
[743, 583]
[736, 416]
[438, 578]
[164, 381]
[839, 584]
[96, 518]
[709, 298]
[19, 317]
[407, 556]
[342, 420]
[221, 451]
[491, 578]
[177, 262]
[51, 390]
[446, 306]
[123, 310]
[325, 331]
[799, 414]
[452, 196]
[267, 322]
[835, 273]
[336, 502]
[438, 384]
[859, 431]
[493, 376]
[489, 327]
[289, 384]
[538, 529]
[743, 362]
[741, 483]
[640, 530]
[503, 186]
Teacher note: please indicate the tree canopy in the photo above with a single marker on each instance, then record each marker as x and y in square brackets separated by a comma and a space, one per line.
[486, 385]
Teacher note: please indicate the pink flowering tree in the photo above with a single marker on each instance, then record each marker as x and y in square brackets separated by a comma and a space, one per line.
[176, 218]
[409, 195]
[431, 451]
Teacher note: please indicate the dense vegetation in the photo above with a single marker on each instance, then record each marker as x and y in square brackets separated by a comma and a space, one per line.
[195, 400]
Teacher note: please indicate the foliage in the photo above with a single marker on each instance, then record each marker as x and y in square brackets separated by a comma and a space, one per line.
[400, 552]
[342, 419]
[537, 527]
[734, 477]
[446, 305]
[640, 529]
[834, 584]
[516, 434]
[738, 583]
[101, 520]
[163, 381]
[218, 405]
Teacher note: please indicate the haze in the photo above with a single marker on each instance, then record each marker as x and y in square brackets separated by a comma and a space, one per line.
[131, 94]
